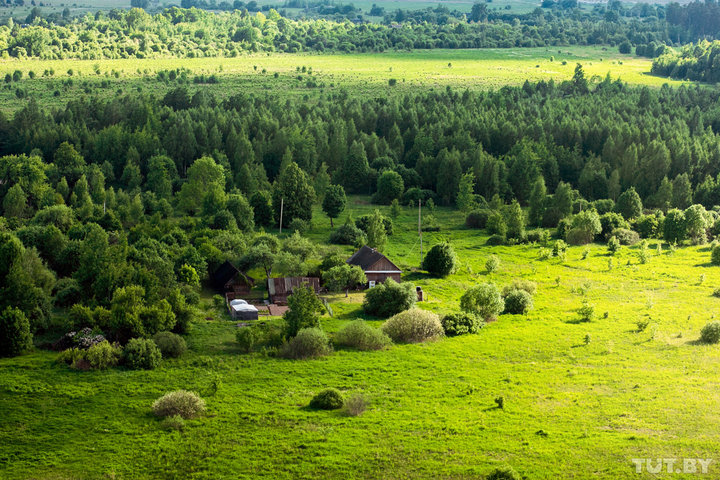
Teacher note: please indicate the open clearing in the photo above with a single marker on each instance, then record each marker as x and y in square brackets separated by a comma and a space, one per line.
[572, 410]
[362, 74]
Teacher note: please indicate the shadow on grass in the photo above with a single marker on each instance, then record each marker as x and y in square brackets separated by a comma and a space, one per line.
[577, 321]
[417, 275]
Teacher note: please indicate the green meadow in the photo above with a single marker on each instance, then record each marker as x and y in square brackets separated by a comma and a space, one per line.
[361, 74]
[581, 398]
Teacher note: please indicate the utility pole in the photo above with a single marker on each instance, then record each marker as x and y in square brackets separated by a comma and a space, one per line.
[282, 204]
[420, 229]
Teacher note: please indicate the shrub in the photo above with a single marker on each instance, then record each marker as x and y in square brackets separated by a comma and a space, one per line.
[625, 236]
[362, 336]
[647, 226]
[527, 285]
[477, 219]
[715, 255]
[247, 338]
[586, 312]
[503, 473]
[348, 234]
[170, 344]
[610, 221]
[389, 298]
[355, 405]
[103, 355]
[141, 353]
[308, 343]
[461, 323]
[328, 399]
[518, 302]
[179, 403]
[559, 248]
[175, 422]
[613, 245]
[495, 240]
[80, 317]
[299, 225]
[578, 236]
[538, 236]
[363, 223]
[413, 326]
[710, 333]
[441, 260]
[15, 336]
[492, 264]
[483, 300]
[496, 224]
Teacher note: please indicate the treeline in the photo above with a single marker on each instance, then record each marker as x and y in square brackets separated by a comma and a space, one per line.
[697, 62]
[197, 33]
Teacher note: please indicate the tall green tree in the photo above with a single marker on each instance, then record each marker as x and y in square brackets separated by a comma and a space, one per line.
[629, 204]
[537, 202]
[376, 234]
[294, 192]
[466, 193]
[334, 202]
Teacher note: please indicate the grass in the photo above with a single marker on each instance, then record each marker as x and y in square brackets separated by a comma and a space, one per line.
[361, 74]
[432, 411]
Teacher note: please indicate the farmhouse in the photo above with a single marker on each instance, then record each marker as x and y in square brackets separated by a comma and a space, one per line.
[281, 288]
[376, 266]
[227, 278]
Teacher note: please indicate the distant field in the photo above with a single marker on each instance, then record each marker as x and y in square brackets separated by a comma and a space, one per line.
[362, 73]
[574, 408]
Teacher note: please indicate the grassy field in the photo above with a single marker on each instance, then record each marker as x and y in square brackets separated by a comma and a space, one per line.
[572, 410]
[361, 74]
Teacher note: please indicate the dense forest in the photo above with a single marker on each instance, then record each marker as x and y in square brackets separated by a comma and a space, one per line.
[697, 62]
[198, 33]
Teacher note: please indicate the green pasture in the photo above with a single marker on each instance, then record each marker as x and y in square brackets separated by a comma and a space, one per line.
[573, 410]
[361, 74]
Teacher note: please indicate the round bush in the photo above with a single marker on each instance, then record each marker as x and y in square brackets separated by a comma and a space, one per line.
[710, 333]
[518, 302]
[715, 255]
[477, 219]
[413, 326]
[171, 345]
[308, 343]
[492, 264]
[328, 399]
[15, 336]
[527, 285]
[461, 323]
[483, 300]
[389, 298]
[441, 260]
[247, 338]
[362, 336]
[495, 240]
[141, 354]
[179, 403]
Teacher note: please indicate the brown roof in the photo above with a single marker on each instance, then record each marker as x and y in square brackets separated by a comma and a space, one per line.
[366, 257]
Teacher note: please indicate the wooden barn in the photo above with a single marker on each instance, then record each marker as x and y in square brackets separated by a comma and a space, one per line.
[376, 266]
[227, 278]
[281, 288]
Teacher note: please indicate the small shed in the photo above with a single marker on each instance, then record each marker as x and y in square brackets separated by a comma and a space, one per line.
[376, 266]
[227, 278]
[241, 310]
[281, 288]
